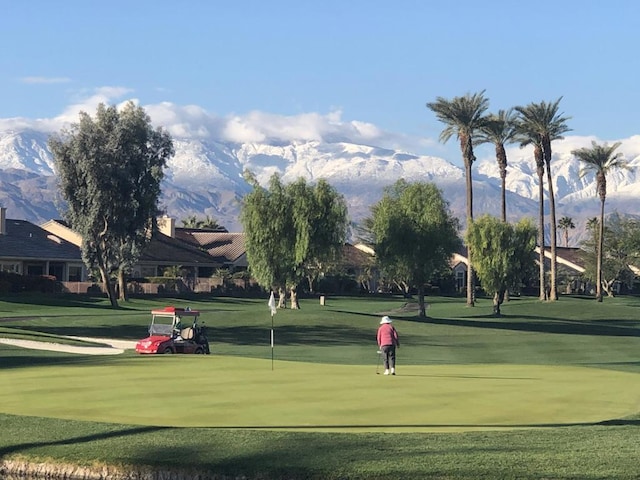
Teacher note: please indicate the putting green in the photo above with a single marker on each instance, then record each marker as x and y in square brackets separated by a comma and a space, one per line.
[217, 391]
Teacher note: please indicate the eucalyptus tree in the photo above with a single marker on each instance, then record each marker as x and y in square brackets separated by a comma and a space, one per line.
[415, 234]
[542, 121]
[109, 171]
[289, 227]
[565, 224]
[320, 219]
[601, 160]
[463, 116]
[504, 254]
[621, 250]
[267, 223]
[500, 130]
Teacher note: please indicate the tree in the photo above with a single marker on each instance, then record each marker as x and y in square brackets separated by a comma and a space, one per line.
[601, 160]
[500, 130]
[542, 122]
[207, 222]
[288, 228]
[592, 224]
[463, 117]
[621, 250]
[528, 137]
[109, 171]
[504, 254]
[415, 234]
[565, 224]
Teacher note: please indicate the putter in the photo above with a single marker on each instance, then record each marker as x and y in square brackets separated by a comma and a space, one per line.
[379, 362]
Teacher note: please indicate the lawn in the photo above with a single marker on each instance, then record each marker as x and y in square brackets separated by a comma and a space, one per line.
[550, 390]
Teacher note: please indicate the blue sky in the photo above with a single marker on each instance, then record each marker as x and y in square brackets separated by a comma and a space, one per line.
[368, 64]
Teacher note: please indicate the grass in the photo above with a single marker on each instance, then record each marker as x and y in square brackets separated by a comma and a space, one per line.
[550, 390]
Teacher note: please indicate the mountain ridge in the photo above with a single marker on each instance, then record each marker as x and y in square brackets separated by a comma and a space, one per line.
[205, 177]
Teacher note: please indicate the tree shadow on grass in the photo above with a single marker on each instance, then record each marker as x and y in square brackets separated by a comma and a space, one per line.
[17, 357]
[291, 335]
[535, 324]
[128, 431]
[119, 331]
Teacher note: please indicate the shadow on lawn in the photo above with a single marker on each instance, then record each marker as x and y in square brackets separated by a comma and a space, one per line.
[317, 335]
[534, 324]
[17, 357]
[120, 331]
[11, 449]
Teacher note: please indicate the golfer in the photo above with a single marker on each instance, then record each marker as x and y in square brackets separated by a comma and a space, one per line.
[388, 341]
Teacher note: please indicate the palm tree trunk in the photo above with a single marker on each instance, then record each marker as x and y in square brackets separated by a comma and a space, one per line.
[543, 290]
[501, 155]
[599, 255]
[553, 290]
[467, 154]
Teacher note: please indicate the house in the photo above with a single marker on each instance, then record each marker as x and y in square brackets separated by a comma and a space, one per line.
[225, 248]
[568, 260]
[162, 252]
[27, 249]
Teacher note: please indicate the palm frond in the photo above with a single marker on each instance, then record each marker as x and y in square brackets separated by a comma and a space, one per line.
[462, 115]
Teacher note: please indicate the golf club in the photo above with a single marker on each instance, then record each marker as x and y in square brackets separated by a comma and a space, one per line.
[379, 362]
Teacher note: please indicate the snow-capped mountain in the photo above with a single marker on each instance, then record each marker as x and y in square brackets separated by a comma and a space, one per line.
[205, 178]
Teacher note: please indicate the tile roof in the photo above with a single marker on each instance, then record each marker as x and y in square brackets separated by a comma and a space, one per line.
[163, 248]
[24, 240]
[222, 246]
[354, 257]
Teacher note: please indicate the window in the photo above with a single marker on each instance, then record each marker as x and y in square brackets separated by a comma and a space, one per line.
[461, 279]
[57, 270]
[148, 271]
[10, 267]
[35, 269]
[75, 273]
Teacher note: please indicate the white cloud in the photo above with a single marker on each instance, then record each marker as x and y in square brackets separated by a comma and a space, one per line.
[44, 80]
[192, 121]
[256, 126]
[89, 103]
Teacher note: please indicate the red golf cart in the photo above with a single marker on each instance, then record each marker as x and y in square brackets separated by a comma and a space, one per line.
[175, 330]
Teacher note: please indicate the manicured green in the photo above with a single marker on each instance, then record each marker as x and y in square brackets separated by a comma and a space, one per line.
[550, 390]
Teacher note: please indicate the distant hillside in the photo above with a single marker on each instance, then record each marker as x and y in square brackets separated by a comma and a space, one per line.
[205, 178]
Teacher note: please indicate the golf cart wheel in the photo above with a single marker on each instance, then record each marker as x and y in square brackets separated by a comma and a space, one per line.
[199, 351]
[168, 351]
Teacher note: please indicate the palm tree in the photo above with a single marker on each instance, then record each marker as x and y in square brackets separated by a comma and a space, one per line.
[208, 223]
[601, 160]
[500, 130]
[543, 120]
[529, 138]
[565, 224]
[463, 116]
[592, 223]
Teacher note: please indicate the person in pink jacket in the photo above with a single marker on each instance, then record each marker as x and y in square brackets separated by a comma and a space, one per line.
[388, 341]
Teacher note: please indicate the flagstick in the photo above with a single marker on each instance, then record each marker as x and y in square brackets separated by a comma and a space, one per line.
[272, 341]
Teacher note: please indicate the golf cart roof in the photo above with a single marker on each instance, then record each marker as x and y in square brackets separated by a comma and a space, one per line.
[175, 312]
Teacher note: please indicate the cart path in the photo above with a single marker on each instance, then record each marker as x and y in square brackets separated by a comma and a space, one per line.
[115, 347]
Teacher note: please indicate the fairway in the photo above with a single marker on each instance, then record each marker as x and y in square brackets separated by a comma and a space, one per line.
[227, 391]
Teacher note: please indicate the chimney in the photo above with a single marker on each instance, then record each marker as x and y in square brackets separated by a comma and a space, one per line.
[3, 221]
[167, 226]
